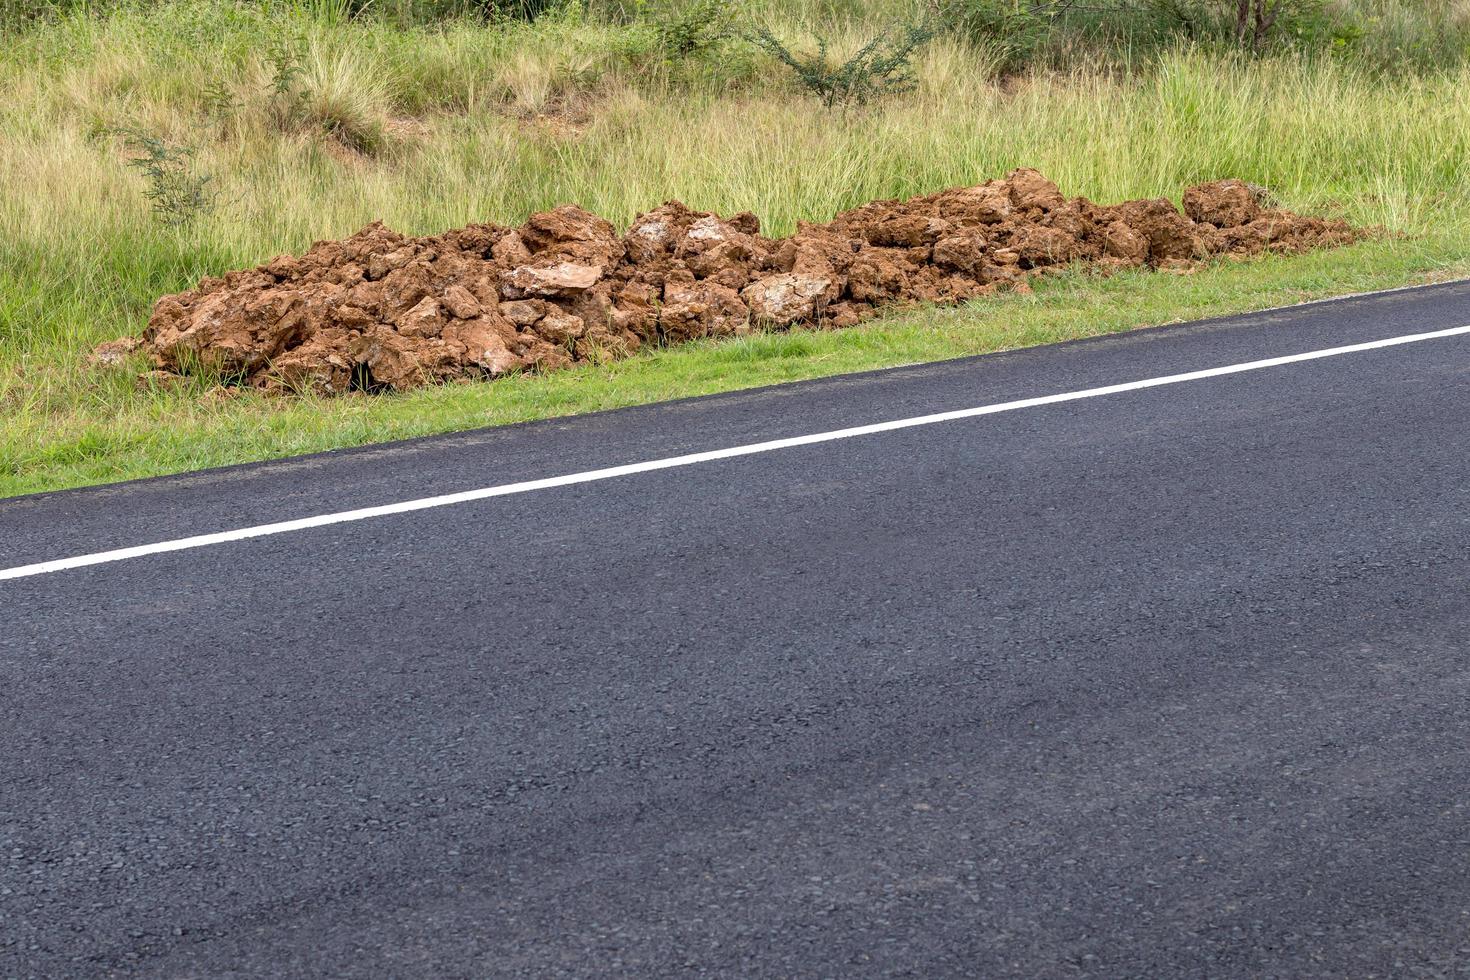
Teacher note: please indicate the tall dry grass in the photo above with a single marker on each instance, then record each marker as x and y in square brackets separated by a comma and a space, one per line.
[433, 128]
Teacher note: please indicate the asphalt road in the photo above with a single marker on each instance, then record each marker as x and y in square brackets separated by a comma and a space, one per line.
[1172, 682]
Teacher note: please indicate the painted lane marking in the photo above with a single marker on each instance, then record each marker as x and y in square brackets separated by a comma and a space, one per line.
[690, 459]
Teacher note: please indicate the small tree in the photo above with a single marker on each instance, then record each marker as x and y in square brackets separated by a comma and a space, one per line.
[883, 66]
[696, 29]
[178, 194]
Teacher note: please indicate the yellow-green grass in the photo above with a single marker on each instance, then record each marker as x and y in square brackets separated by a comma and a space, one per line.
[432, 129]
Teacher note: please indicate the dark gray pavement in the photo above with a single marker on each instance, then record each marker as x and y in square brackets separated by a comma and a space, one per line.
[1166, 683]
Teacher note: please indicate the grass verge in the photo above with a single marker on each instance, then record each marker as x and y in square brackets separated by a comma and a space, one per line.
[311, 126]
[191, 426]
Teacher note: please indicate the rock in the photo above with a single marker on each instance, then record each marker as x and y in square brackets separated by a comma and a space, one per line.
[426, 319]
[390, 358]
[486, 342]
[635, 309]
[560, 279]
[524, 312]
[715, 249]
[509, 250]
[1222, 203]
[1029, 189]
[113, 352]
[876, 276]
[651, 237]
[559, 327]
[403, 289]
[987, 204]
[282, 267]
[1071, 217]
[1170, 235]
[323, 366]
[352, 317]
[962, 253]
[1040, 245]
[701, 309]
[544, 356]
[785, 298]
[898, 230]
[461, 303]
[226, 332]
[572, 235]
[1120, 241]
[383, 311]
[379, 266]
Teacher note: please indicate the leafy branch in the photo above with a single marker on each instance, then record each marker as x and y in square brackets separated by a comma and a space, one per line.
[883, 66]
[178, 194]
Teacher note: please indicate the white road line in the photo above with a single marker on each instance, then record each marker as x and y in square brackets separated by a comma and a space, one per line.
[611, 472]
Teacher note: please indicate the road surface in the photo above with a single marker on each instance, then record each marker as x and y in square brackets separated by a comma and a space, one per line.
[1167, 681]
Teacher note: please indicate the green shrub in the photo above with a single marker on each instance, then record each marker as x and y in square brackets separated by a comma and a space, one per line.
[178, 194]
[18, 14]
[287, 95]
[883, 66]
[695, 29]
[1014, 31]
[1063, 33]
[525, 10]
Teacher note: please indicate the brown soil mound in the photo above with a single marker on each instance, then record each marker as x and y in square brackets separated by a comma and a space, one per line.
[384, 311]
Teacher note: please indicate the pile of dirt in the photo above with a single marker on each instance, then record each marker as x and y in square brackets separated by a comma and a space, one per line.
[383, 311]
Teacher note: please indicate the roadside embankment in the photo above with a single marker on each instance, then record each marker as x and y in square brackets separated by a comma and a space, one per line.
[382, 311]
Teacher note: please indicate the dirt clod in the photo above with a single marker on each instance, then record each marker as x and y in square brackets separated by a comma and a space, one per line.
[113, 352]
[382, 311]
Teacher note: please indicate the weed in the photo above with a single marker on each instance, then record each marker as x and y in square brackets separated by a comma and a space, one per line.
[512, 10]
[218, 100]
[285, 64]
[882, 66]
[178, 194]
[696, 29]
[288, 96]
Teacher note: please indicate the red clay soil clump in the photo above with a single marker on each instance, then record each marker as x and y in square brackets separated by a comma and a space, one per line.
[382, 311]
